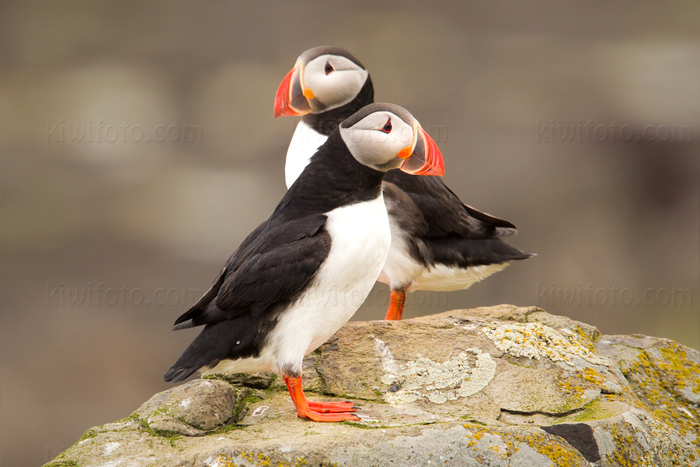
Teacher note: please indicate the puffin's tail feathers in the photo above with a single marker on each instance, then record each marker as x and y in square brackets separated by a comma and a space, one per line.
[176, 374]
[208, 348]
[466, 252]
[184, 325]
[229, 339]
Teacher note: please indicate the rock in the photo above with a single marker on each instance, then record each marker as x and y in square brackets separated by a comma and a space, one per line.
[498, 386]
[193, 408]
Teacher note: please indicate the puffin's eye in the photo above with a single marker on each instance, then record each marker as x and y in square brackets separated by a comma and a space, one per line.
[387, 126]
[328, 67]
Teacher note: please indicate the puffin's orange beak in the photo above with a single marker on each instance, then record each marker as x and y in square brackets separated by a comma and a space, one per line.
[426, 158]
[290, 98]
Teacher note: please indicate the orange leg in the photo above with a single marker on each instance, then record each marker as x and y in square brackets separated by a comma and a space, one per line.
[318, 411]
[398, 298]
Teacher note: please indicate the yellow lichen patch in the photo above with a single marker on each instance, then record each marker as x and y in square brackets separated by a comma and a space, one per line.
[676, 363]
[224, 461]
[622, 455]
[536, 340]
[555, 452]
[476, 433]
[592, 376]
[566, 386]
[659, 382]
[258, 459]
[634, 446]
[560, 454]
[585, 339]
[512, 441]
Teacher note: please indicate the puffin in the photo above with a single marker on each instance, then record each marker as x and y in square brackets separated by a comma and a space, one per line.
[437, 242]
[302, 274]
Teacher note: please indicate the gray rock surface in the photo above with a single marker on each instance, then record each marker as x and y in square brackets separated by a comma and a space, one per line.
[498, 386]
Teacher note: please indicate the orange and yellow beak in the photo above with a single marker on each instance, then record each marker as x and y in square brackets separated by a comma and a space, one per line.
[424, 158]
[292, 98]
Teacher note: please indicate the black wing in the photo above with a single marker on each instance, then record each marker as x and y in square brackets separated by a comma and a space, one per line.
[441, 229]
[241, 308]
[270, 269]
[442, 212]
[199, 309]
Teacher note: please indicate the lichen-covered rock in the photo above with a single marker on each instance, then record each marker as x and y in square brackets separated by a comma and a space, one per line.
[192, 408]
[499, 386]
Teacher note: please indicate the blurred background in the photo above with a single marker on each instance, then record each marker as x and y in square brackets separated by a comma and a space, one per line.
[139, 148]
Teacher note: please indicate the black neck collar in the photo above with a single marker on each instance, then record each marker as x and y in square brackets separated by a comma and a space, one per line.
[332, 179]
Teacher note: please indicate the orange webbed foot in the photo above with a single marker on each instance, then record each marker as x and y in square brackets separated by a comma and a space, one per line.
[334, 407]
[328, 417]
[318, 411]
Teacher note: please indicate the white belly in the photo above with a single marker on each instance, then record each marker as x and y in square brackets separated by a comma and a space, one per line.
[441, 278]
[400, 268]
[305, 143]
[360, 244]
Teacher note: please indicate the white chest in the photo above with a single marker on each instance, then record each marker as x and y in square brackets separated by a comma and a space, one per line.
[304, 144]
[360, 244]
[361, 238]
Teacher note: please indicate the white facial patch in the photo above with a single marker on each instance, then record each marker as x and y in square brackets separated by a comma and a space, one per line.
[335, 88]
[370, 143]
